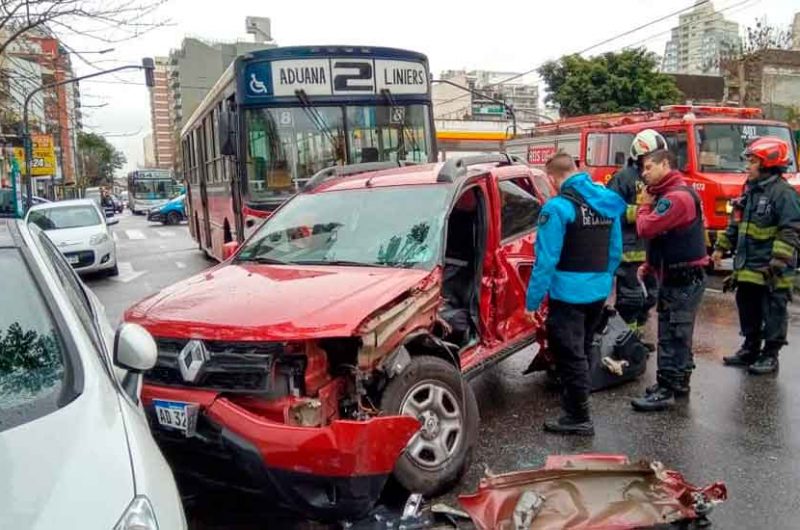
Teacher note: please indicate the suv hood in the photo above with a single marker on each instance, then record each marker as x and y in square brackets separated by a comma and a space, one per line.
[65, 238]
[273, 302]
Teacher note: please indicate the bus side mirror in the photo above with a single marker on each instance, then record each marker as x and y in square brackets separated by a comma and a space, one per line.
[227, 136]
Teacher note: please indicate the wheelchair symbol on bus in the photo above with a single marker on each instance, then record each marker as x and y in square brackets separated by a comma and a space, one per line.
[257, 86]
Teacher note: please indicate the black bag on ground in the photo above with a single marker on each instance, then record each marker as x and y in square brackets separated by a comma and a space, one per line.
[617, 355]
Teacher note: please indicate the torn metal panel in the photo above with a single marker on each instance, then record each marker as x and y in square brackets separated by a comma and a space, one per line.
[589, 492]
[386, 329]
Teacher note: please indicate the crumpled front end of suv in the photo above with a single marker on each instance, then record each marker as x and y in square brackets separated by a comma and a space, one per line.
[288, 413]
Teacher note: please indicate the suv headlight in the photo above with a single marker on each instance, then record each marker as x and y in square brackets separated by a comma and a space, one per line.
[138, 516]
[98, 238]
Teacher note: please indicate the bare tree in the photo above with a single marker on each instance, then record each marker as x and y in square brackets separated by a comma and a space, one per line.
[104, 21]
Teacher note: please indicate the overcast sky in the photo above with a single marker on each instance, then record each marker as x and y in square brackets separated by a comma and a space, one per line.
[515, 35]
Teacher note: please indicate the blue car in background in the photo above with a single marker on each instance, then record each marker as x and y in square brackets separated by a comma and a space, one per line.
[171, 212]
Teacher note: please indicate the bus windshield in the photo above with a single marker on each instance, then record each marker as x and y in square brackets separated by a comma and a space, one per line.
[720, 146]
[152, 189]
[286, 146]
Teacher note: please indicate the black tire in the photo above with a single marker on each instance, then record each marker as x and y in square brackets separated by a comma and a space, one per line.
[113, 271]
[421, 473]
[173, 218]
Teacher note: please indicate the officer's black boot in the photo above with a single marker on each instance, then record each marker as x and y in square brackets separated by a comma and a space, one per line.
[682, 387]
[746, 355]
[575, 420]
[660, 396]
[767, 362]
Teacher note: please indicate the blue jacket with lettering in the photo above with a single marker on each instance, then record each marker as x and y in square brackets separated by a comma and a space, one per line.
[557, 213]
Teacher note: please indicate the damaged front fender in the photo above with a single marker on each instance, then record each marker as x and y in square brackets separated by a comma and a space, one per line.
[589, 492]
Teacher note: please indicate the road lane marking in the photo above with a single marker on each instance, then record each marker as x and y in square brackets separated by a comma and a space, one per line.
[126, 272]
[165, 233]
[115, 236]
[180, 264]
[135, 234]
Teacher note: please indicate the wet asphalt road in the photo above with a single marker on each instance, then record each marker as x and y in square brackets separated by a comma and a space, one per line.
[737, 428]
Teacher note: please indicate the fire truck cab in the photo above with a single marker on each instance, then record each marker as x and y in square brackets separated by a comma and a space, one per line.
[707, 141]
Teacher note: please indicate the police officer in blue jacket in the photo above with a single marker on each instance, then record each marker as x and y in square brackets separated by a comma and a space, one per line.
[578, 250]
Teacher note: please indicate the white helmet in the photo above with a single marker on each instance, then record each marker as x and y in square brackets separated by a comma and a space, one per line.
[646, 142]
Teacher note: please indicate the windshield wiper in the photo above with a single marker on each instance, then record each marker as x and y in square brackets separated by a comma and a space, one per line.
[314, 115]
[262, 260]
[342, 262]
[402, 126]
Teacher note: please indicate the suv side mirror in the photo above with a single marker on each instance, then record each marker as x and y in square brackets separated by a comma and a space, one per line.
[134, 348]
[229, 249]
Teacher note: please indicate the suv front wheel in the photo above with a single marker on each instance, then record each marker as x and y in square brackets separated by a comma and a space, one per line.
[433, 391]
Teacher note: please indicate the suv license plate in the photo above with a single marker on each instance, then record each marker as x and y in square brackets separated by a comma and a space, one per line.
[176, 415]
[72, 260]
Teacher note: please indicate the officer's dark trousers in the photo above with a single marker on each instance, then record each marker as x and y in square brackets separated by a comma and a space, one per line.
[631, 303]
[678, 302]
[570, 330]
[763, 315]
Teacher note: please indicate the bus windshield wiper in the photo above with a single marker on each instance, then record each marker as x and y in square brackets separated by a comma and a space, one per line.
[314, 115]
[402, 125]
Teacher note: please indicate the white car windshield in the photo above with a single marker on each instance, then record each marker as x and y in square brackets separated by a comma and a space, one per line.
[62, 217]
[355, 228]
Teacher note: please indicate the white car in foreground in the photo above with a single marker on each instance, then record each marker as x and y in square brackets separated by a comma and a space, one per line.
[80, 231]
[75, 447]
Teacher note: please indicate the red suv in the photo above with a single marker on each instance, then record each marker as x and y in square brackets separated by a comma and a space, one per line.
[332, 348]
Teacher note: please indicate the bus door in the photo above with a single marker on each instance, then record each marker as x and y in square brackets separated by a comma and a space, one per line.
[202, 169]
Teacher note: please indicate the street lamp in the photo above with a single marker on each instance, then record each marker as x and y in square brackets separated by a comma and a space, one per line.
[147, 65]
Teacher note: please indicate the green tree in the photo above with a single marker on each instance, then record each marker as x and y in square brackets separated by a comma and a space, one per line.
[98, 159]
[612, 82]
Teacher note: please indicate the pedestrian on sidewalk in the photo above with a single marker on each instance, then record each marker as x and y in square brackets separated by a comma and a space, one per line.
[763, 235]
[671, 220]
[634, 300]
[578, 248]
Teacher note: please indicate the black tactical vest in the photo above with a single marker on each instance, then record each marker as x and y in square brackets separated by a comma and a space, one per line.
[587, 238]
[681, 246]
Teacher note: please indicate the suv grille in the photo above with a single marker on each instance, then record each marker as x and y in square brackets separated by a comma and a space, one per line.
[231, 367]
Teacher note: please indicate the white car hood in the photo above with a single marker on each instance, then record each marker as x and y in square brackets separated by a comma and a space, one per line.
[68, 469]
[67, 238]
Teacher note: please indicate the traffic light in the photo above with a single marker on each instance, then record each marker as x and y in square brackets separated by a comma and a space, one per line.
[149, 72]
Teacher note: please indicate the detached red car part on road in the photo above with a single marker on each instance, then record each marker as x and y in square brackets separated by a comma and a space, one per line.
[341, 332]
[589, 492]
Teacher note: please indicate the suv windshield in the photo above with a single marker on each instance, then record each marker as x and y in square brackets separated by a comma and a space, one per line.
[354, 228]
[32, 370]
[65, 217]
[720, 146]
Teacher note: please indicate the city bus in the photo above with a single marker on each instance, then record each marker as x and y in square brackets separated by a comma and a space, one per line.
[278, 116]
[150, 187]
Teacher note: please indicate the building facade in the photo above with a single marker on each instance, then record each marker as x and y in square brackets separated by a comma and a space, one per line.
[700, 40]
[193, 70]
[162, 138]
[148, 146]
[454, 103]
[796, 32]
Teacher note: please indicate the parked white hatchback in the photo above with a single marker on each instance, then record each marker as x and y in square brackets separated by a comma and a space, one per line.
[80, 231]
[75, 447]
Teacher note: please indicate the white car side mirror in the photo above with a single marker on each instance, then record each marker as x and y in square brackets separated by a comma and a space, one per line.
[134, 348]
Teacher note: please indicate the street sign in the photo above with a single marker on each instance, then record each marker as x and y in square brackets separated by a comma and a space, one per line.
[489, 109]
[43, 161]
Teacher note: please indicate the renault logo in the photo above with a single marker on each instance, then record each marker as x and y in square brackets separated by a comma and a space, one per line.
[191, 360]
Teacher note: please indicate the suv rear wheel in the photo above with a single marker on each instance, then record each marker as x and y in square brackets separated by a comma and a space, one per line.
[433, 391]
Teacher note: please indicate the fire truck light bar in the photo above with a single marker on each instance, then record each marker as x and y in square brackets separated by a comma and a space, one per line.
[737, 112]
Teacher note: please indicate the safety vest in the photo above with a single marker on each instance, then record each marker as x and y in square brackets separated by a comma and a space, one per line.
[679, 247]
[587, 238]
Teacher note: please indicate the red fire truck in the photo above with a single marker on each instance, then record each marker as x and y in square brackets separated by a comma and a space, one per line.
[708, 142]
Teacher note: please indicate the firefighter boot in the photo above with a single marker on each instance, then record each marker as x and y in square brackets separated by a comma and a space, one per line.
[575, 420]
[767, 362]
[746, 355]
[660, 396]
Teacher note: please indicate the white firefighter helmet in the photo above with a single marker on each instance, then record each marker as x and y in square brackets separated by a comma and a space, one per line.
[646, 142]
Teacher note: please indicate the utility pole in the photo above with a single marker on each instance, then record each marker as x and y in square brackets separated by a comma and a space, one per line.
[147, 65]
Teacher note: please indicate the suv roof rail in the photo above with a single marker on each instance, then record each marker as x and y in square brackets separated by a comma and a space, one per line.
[350, 169]
[457, 167]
